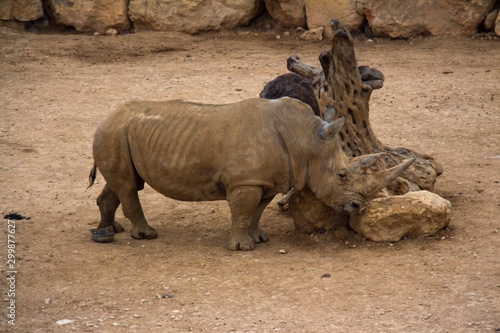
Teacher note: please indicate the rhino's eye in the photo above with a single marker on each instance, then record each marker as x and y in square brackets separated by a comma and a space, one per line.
[342, 176]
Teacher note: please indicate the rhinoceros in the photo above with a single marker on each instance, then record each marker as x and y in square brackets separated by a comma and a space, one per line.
[245, 153]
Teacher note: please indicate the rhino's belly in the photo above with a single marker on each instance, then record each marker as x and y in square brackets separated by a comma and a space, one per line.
[185, 183]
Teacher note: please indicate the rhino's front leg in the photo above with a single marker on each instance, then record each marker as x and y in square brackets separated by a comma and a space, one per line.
[243, 203]
[257, 234]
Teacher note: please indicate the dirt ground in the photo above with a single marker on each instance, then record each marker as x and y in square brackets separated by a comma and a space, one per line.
[441, 96]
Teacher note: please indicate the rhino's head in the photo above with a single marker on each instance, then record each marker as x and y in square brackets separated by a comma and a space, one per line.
[344, 183]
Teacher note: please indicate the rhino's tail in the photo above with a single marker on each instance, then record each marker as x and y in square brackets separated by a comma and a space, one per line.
[93, 174]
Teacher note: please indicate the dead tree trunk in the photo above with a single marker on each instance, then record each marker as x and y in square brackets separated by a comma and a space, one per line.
[345, 86]
[342, 84]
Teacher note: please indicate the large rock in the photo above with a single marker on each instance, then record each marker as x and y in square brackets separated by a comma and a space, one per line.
[310, 215]
[489, 20]
[192, 15]
[388, 219]
[405, 19]
[290, 13]
[497, 25]
[21, 10]
[87, 16]
[319, 13]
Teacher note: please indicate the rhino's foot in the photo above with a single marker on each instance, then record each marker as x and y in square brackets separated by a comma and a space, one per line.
[258, 236]
[144, 233]
[244, 244]
[117, 227]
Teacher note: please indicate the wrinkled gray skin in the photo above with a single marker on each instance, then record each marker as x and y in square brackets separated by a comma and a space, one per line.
[245, 152]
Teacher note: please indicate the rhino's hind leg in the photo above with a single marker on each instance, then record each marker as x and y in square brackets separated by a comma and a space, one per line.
[257, 234]
[133, 211]
[108, 202]
[243, 202]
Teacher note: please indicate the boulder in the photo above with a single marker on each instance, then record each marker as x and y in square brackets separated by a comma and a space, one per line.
[489, 20]
[290, 13]
[388, 219]
[88, 16]
[497, 25]
[405, 19]
[320, 12]
[192, 16]
[21, 10]
[310, 215]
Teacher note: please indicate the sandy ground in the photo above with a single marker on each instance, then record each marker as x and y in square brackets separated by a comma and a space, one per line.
[441, 96]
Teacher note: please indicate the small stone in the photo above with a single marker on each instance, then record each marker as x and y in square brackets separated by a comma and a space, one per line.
[282, 251]
[116, 324]
[112, 32]
[313, 34]
[63, 322]
[96, 33]
[278, 37]
[286, 33]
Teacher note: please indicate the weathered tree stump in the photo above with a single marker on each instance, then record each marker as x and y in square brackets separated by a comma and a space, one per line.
[340, 83]
[345, 86]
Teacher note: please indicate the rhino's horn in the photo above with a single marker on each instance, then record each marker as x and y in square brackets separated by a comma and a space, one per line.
[383, 178]
[362, 163]
[328, 131]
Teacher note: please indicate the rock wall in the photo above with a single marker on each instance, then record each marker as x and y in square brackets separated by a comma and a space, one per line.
[20, 10]
[405, 19]
[192, 15]
[91, 16]
[390, 18]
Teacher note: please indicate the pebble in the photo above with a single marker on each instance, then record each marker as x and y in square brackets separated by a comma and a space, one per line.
[112, 32]
[282, 251]
[64, 322]
[115, 324]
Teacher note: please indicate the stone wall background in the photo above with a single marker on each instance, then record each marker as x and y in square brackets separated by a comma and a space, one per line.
[379, 18]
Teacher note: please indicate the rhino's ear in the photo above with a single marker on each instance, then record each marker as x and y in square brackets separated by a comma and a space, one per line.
[330, 114]
[361, 163]
[328, 131]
